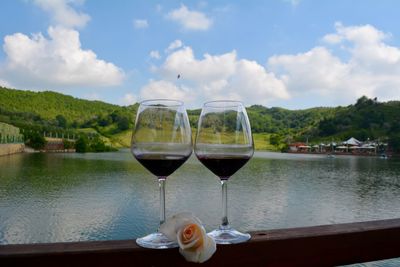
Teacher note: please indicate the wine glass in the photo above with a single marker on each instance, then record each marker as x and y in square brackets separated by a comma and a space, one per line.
[161, 142]
[224, 144]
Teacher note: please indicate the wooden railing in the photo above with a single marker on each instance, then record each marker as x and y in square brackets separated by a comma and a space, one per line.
[325, 245]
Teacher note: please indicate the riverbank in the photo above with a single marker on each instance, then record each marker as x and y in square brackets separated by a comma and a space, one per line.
[9, 149]
[344, 154]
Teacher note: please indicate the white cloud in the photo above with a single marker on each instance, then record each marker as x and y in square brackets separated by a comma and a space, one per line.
[368, 49]
[214, 77]
[4, 83]
[174, 45]
[57, 62]
[62, 13]
[129, 99]
[372, 67]
[332, 38]
[190, 20]
[140, 24]
[321, 75]
[253, 82]
[155, 54]
[165, 89]
[210, 68]
[317, 71]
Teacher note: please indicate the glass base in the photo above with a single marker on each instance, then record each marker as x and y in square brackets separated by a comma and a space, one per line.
[228, 236]
[156, 241]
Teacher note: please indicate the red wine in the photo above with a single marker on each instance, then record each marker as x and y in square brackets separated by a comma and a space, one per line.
[161, 165]
[224, 166]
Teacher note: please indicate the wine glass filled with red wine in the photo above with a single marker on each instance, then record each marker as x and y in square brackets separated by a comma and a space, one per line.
[161, 142]
[224, 144]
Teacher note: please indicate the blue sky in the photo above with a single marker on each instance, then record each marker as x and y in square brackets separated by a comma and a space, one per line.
[293, 54]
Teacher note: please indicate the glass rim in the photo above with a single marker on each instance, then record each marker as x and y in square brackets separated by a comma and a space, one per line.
[161, 101]
[229, 103]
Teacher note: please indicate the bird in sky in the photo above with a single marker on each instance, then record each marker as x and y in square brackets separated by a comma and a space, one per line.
[178, 76]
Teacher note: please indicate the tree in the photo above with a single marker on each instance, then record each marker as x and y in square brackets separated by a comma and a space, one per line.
[123, 123]
[68, 144]
[81, 144]
[104, 120]
[97, 145]
[62, 121]
[394, 142]
[274, 139]
[365, 101]
[327, 127]
[35, 140]
[75, 124]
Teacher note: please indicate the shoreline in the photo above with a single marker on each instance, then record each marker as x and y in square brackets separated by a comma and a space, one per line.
[10, 149]
[389, 155]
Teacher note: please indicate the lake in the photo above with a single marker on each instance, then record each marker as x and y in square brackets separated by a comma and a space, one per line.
[76, 197]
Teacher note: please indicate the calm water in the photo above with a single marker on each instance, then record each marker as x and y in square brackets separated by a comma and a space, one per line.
[72, 197]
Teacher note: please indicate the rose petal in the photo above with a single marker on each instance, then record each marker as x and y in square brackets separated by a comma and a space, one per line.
[200, 255]
[196, 240]
[171, 226]
[209, 249]
[195, 245]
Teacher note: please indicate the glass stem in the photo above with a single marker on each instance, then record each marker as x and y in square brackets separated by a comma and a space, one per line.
[225, 224]
[161, 184]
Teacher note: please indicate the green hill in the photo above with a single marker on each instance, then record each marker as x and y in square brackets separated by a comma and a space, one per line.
[49, 104]
[273, 127]
[278, 120]
[367, 119]
[54, 112]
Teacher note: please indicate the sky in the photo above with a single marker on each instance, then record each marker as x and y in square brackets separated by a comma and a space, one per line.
[294, 54]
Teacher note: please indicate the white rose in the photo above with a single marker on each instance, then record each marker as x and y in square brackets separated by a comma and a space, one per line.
[194, 244]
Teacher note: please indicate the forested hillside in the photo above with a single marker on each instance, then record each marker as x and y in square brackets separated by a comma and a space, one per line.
[49, 104]
[50, 111]
[54, 112]
[367, 119]
[278, 120]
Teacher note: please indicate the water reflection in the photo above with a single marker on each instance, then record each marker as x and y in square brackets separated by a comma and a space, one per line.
[70, 197]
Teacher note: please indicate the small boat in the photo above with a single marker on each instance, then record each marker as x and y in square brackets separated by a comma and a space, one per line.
[330, 155]
[383, 156]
